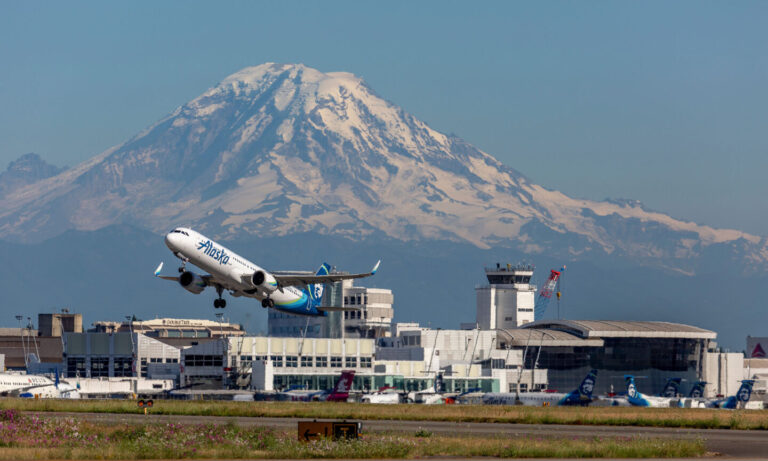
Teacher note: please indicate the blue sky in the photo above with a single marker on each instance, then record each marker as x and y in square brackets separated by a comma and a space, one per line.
[664, 102]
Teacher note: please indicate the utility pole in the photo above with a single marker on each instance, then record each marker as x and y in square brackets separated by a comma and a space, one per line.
[21, 335]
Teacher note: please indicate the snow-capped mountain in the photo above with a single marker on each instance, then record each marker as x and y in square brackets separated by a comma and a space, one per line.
[27, 169]
[280, 149]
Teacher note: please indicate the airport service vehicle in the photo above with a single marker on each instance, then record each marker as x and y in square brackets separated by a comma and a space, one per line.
[298, 293]
[637, 399]
[339, 393]
[582, 395]
[387, 395]
[29, 386]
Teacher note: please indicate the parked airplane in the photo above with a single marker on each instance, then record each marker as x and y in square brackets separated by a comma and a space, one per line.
[582, 395]
[671, 388]
[293, 292]
[35, 385]
[637, 399]
[384, 395]
[695, 398]
[736, 401]
[339, 393]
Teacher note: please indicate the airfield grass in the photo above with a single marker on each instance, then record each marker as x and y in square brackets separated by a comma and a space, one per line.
[606, 416]
[24, 436]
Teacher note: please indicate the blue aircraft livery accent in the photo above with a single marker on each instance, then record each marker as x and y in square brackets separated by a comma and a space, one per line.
[295, 292]
[583, 394]
[316, 290]
[672, 388]
[634, 397]
[209, 249]
[741, 397]
[639, 400]
[697, 391]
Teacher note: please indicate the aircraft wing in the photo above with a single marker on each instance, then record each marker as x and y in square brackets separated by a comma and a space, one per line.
[208, 279]
[303, 279]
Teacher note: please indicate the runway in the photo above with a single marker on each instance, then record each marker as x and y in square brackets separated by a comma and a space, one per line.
[724, 442]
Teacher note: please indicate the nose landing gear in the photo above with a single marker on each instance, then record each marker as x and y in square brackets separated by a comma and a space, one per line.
[267, 302]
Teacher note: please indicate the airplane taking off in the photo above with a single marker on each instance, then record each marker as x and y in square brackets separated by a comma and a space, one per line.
[297, 293]
[582, 395]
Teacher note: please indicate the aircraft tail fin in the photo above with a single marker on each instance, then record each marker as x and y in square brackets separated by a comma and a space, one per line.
[315, 290]
[344, 384]
[745, 391]
[587, 385]
[671, 388]
[697, 391]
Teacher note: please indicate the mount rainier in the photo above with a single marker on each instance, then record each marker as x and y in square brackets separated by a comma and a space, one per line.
[275, 150]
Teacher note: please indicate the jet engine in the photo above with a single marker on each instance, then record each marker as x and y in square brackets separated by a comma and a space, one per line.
[264, 280]
[192, 282]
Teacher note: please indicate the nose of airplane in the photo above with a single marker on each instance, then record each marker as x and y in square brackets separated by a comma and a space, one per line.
[172, 240]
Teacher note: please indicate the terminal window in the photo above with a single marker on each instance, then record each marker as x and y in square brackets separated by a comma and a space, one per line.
[365, 362]
[350, 362]
[121, 367]
[203, 361]
[321, 361]
[99, 367]
[335, 362]
[306, 361]
[291, 361]
[277, 360]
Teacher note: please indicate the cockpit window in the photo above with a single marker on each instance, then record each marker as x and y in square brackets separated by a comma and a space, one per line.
[179, 231]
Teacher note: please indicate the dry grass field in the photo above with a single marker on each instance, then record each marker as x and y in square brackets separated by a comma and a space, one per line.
[615, 416]
[30, 436]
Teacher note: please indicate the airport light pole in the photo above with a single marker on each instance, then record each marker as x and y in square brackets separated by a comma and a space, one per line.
[129, 321]
[21, 335]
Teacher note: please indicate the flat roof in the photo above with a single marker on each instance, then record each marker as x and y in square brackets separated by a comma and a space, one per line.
[623, 329]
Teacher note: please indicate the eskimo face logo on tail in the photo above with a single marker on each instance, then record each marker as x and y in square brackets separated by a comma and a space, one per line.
[209, 249]
[587, 386]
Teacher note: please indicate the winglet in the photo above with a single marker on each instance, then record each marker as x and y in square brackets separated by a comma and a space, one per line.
[376, 267]
[159, 268]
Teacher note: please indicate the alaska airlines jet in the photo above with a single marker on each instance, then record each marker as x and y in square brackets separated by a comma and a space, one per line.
[582, 395]
[739, 400]
[637, 399]
[293, 292]
[671, 388]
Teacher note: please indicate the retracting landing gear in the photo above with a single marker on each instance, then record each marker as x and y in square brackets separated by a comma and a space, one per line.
[184, 260]
[219, 302]
[267, 302]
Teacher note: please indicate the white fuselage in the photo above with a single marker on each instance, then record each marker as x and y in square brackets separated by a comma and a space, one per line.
[41, 386]
[531, 399]
[230, 268]
[381, 397]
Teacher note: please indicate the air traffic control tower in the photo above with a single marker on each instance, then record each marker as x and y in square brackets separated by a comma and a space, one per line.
[508, 299]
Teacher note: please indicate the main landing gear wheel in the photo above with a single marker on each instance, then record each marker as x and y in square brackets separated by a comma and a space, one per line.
[220, 302]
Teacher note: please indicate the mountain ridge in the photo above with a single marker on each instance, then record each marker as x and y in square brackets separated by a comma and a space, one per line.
[278, 149]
